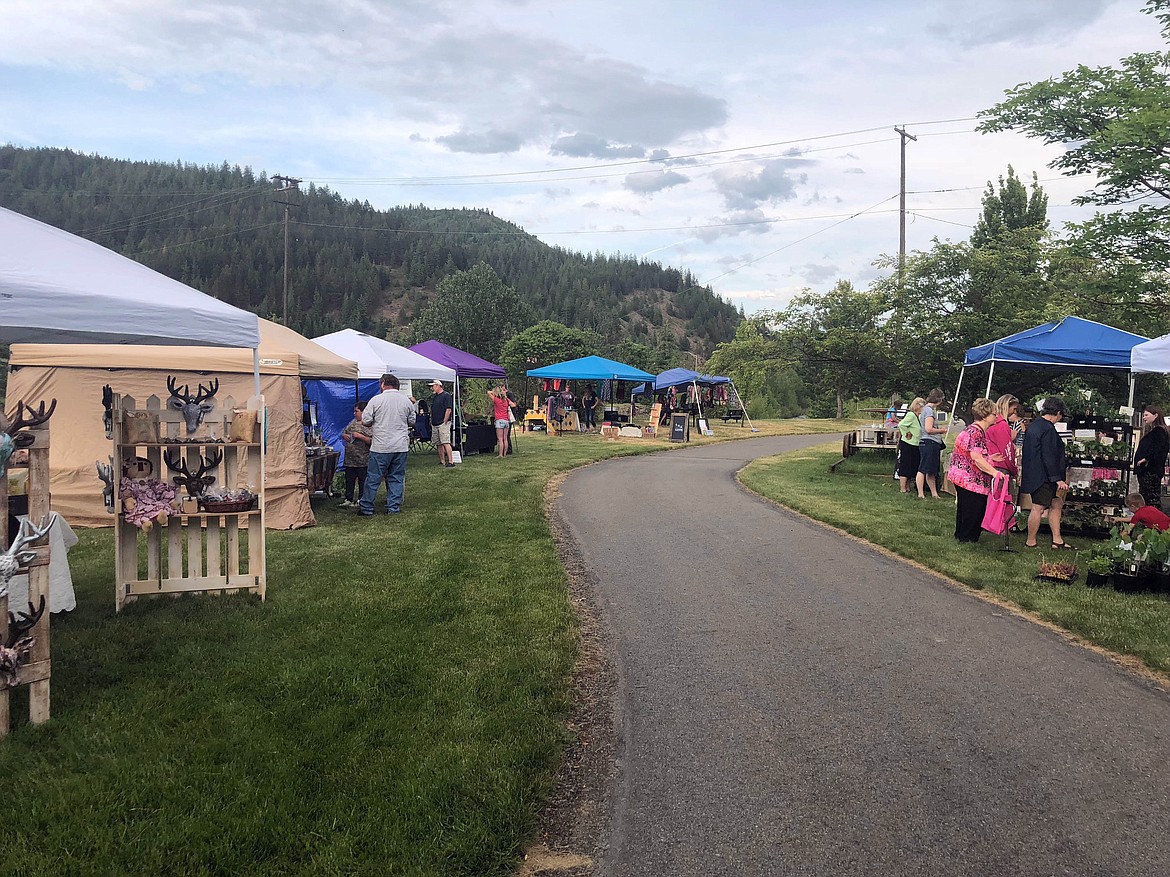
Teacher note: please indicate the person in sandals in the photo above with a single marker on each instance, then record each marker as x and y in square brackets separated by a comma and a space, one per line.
[1042, 471]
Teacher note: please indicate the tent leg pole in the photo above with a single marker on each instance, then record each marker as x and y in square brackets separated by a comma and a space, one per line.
[1132, 378]
[256, 369]
[743, 405]
[698, 404]
[990, 375]
[958, 390]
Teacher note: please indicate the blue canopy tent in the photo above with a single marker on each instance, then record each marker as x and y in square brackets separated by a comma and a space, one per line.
[1071, 343]
[681, 377]
[593, 368]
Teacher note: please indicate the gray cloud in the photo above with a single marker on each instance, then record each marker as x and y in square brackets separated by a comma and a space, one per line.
[734, 225]
[647, 183]
[815, 273]
[771, 182]
[853, 170]
[1009, 21]
[481, 141]
[583, 145]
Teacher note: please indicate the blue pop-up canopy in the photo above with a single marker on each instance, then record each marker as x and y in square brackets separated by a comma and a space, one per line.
[1068, 343]
[591, 368]
[680, 377]
[1071, 343]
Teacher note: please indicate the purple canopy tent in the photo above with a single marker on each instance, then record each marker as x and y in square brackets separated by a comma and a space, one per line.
[466, 365]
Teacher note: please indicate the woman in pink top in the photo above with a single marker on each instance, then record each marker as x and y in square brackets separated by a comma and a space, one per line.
[1000, 448]
[500, 407]
[971, 472]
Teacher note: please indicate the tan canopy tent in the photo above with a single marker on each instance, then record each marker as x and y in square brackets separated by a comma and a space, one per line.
[74, 375]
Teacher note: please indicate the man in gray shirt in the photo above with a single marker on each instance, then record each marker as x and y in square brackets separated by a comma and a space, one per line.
[390, 415]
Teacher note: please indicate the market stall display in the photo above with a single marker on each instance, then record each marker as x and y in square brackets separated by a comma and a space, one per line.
[587, 368]
[211, 539]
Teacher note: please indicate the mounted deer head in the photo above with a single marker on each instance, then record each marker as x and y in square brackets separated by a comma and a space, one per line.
[16, 556]
[108, 410]
[21, 422]
[21, 623]
[193, 407]
[195, 482]
[105, 471]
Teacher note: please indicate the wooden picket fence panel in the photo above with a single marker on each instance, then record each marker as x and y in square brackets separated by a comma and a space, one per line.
[193, 550]
[36, 672]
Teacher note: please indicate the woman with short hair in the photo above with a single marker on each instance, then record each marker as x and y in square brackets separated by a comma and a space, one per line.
[971, 472]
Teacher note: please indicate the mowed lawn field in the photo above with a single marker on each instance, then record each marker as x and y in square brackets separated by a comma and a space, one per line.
[862, 499]
[396, 706]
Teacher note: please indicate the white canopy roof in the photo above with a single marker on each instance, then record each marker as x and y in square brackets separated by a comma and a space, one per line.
[1151, 357]
[375, 357]
[58, 288]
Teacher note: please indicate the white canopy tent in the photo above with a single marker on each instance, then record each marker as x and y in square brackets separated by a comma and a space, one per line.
[376, 357]
[1151, 357]
[58, 288]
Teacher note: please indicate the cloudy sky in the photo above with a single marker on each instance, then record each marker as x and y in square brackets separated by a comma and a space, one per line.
[749, 141]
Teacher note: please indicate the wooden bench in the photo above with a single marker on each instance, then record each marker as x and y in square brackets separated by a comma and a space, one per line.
[736, 415]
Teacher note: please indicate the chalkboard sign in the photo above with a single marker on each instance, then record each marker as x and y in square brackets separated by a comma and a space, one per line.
[680, 427]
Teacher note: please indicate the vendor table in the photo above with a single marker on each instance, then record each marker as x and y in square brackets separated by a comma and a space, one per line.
[479, 438]
[535, 420]
[319, 471]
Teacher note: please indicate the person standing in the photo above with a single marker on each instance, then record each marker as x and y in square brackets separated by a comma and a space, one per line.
[1150, 459]
[931, 447]
[1042, 471]
[971, 472]
[500, 409]
[589, 406]
[390, 416]
[357, 437]
[909, 438]
[442, 411]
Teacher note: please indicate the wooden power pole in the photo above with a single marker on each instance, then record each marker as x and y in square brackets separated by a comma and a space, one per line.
[902, 212]
[289, 184]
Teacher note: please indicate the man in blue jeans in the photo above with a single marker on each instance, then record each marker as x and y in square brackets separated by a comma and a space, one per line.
[390, 415]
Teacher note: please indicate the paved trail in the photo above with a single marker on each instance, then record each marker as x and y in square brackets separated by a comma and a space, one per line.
[793, 703]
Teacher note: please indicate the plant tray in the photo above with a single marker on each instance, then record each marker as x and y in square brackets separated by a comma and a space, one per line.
[226, 506]
[1060, 580]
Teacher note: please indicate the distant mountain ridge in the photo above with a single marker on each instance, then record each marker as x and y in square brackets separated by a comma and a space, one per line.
[221, 230]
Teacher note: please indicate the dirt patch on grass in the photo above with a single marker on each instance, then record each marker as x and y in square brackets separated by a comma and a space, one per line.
[573, 826]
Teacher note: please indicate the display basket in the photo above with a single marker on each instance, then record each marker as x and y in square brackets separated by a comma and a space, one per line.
[227, 506]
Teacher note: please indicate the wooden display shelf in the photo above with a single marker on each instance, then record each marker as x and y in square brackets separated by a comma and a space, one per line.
[208, 551]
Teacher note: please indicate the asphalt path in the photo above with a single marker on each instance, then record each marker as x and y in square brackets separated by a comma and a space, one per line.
[791, 702]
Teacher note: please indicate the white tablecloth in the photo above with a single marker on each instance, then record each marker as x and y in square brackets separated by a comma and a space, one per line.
[61, 597]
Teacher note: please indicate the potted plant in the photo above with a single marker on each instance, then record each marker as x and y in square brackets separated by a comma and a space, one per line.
[1100, 566]
[1155, 554]
[1057, 571]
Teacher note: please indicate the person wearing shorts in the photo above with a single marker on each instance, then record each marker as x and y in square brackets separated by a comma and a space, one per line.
[503, 423]
[1042, 471]
[442, 409]
[931, 446]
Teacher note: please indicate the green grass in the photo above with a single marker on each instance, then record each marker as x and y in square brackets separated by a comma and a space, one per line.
[395, 707]
[861, 498]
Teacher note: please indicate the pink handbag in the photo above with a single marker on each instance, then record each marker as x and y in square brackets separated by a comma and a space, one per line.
[1000, 507]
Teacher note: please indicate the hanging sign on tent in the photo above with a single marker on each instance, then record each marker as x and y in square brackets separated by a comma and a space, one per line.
[679, 427]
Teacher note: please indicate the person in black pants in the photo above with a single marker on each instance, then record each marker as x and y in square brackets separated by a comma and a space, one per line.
[357, 437]
[1150, 459]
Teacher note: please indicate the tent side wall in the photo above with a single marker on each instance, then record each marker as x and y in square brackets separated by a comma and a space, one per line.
[79, 439]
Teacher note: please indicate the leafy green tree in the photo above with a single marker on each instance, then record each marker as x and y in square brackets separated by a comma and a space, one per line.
[1113, 122]
[475, 311]
[546, 343]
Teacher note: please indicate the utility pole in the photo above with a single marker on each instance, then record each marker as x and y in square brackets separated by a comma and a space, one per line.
[289, 184]
[902, 212]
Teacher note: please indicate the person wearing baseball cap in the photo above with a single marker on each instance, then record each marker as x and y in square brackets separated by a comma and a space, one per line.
[442, 409]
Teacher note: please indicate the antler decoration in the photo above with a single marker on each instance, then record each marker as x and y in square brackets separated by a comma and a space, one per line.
[21, 422]
[195, 482]
[193, 407]
[108, 410]
[105, 471]
[17, 645]
[16, 556]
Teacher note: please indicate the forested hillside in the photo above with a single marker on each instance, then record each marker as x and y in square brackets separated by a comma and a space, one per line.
[221, 230]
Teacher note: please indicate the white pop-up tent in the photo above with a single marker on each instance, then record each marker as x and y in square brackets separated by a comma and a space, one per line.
[59, 288]
[1151, 357]
[377, 356]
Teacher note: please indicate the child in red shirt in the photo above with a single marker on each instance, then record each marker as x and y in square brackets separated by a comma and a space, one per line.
[1146, 515]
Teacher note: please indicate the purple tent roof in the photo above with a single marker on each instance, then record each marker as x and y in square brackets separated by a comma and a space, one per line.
[466, 365]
